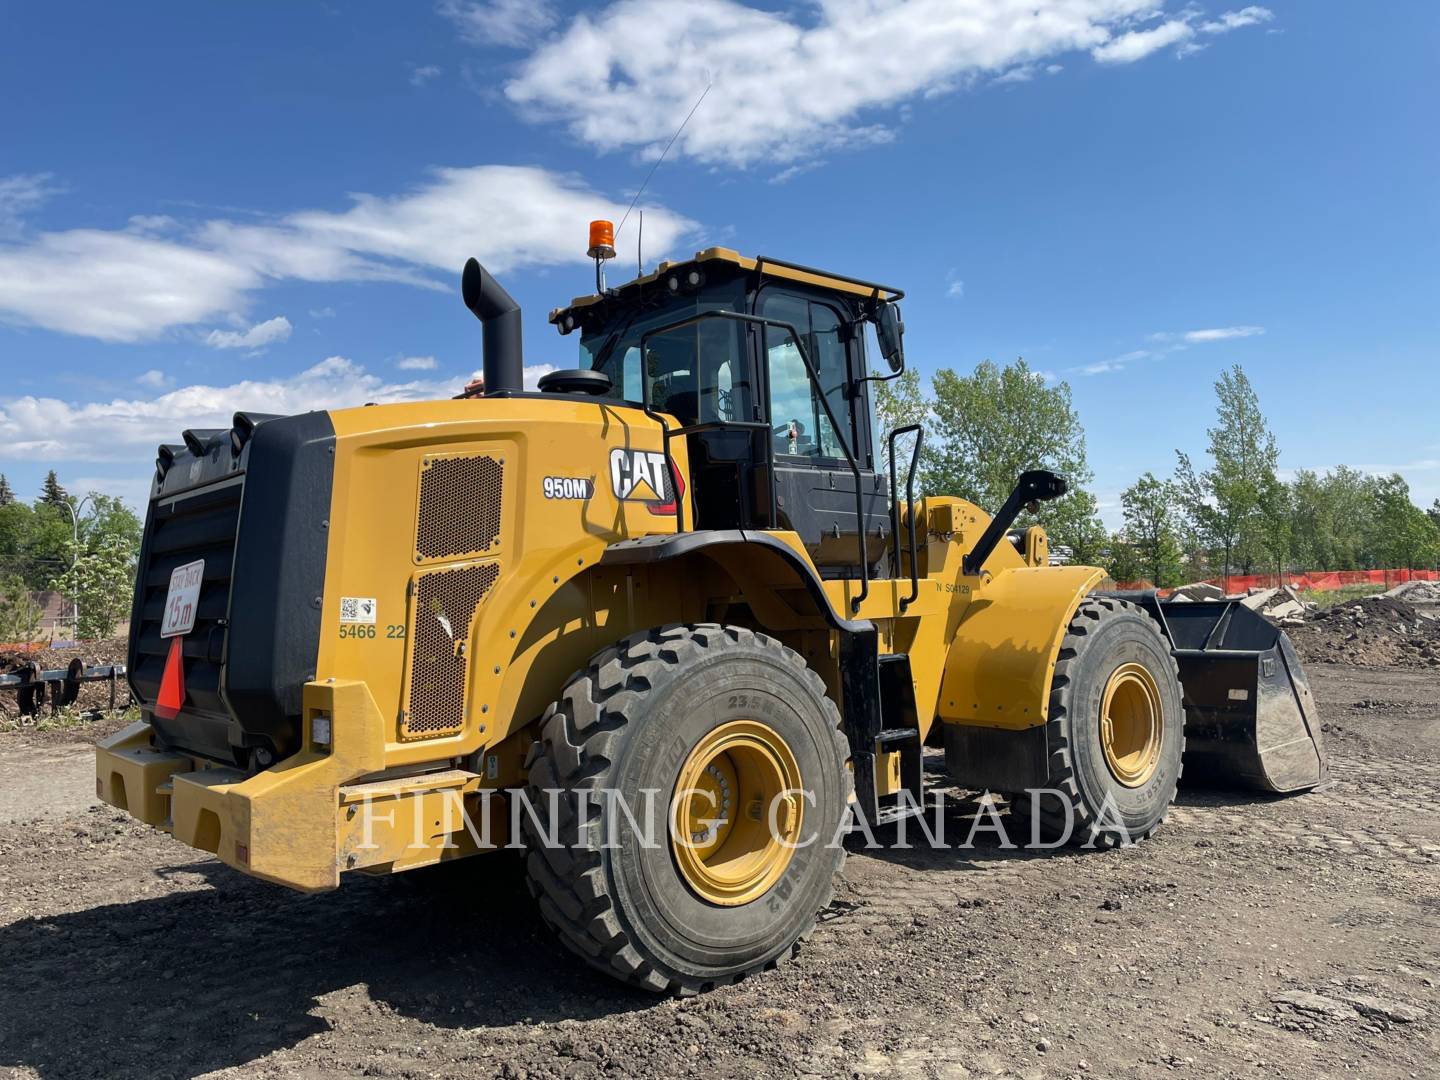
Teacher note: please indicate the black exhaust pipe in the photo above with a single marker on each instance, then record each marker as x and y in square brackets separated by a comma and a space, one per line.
[499, 314]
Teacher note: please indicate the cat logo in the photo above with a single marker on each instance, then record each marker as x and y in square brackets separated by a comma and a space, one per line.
[639, 475]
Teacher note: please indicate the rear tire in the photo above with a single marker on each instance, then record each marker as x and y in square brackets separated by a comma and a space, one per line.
[1113, 772]
[634, 720]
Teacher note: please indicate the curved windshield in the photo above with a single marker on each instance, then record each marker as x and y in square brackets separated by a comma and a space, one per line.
[698, 373]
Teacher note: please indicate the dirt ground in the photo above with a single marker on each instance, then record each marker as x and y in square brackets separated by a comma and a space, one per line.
[1252, 937]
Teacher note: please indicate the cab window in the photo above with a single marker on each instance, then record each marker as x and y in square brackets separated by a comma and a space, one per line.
[698, 373]
[800, 425]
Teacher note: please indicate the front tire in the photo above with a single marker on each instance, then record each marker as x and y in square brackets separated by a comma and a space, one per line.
[736, 719]
[1115, 734]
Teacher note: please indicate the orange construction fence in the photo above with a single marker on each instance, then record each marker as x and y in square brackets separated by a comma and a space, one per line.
[1324, 580]
[1319, 580]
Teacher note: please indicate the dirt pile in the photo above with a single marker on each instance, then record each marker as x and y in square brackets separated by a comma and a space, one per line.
[92, 695]
[1372, 631]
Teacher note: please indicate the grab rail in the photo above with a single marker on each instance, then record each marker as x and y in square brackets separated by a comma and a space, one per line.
[910, 503]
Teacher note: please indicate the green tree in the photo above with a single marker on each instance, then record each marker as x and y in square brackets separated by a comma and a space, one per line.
[1405, 536]
[7, 495]
[51, 493]
[20, 615]
[100, 582]
[109, 517]
[898, 401]
[15, 529]
[991, 426]
[47, 544]
[1151, 530]
[1225, 503]
[1276, 523]
[1122, 559]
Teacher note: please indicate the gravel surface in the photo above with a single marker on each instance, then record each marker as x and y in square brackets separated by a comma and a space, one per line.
[1252, 937]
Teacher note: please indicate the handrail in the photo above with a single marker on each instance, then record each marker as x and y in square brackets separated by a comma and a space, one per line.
[665, 431]
[910, 506]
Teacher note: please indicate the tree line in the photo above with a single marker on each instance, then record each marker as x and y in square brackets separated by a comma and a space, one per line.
[39, 551]
[1230, 512]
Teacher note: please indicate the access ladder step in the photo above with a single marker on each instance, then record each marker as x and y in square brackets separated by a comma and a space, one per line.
[889, 815]
[893, 738]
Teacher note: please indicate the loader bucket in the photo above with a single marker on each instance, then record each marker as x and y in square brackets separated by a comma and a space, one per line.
[1250, 720]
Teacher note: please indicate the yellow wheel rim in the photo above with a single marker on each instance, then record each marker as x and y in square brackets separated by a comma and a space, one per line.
[1131, 724]
[736, 813]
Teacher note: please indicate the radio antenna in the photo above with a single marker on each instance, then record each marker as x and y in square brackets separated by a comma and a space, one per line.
[661, 158]
[640, 247]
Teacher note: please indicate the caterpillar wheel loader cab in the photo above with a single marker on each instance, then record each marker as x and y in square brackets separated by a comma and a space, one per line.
[664, 623]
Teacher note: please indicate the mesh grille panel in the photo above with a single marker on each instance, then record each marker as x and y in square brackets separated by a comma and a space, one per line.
[437, 675]
[459, 506]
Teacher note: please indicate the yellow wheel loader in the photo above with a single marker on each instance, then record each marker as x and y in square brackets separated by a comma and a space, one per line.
[665, 622]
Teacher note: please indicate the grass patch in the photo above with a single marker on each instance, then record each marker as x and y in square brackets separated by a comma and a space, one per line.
[1325, 598]
[64, 720]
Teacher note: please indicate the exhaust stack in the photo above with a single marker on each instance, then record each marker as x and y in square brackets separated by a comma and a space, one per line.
[499, 314]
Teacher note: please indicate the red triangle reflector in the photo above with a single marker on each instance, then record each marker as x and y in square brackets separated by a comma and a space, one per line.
[172, 683]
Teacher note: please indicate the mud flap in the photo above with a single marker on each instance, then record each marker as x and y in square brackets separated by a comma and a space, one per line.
[1250, 720]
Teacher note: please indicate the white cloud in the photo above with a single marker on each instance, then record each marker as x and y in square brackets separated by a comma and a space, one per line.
[258, 336]
[1119, 363]
[516, 24]
[1180, 31]
[49, 429]
[509, 216]
[322, 313]
[416, 363]
[955, 289]
[1022, 74]
[1222, 333]
[154, 378]
[133, 285]
[1234, 20]
[19, 195]
[1168, 342]
[1137, 44]
[117, 286]
[784, 176]
[423, 73]
[787, 84]
[126, 431]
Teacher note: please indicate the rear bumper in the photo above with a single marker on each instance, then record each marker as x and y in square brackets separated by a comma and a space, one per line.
[309, 818]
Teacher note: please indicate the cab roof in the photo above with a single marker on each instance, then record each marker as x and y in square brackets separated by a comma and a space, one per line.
[774, 268]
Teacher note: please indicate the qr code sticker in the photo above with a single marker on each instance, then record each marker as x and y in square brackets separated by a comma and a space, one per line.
[357, 609]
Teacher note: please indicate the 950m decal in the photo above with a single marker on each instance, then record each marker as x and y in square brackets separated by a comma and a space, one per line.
[568, 487]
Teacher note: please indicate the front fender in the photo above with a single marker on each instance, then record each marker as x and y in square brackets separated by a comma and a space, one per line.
[1002, 657]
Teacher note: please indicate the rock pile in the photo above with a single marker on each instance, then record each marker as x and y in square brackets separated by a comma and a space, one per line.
[1419, 592]
[1372, 631]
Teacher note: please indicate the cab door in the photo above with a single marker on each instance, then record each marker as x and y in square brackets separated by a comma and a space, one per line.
[814, 484]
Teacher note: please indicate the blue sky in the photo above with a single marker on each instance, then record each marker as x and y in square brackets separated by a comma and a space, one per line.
[266, 206]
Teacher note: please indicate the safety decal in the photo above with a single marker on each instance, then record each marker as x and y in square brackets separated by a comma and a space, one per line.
[639, 475]
[568, 487]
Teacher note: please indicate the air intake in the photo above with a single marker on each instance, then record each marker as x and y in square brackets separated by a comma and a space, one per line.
[460, 502]
[445, 604]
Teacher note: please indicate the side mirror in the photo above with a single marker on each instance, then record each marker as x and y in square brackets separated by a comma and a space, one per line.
[889, 332]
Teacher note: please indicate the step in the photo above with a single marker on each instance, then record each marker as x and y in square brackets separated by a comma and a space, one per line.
[892, 737]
